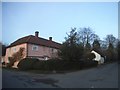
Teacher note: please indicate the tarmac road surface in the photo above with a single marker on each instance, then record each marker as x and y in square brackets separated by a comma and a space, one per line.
[104, 76]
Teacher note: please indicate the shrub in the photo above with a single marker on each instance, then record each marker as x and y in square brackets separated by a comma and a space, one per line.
[71, 50]
[90, 63]
[89, 56]
[16, 57]
[39, 65]
[3, 63]
[64, 65]
[58, 65]
[26, 63]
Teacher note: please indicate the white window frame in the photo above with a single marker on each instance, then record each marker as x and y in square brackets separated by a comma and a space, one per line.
[35, 48]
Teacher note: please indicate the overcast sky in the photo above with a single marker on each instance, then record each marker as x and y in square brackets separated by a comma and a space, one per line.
[55, 19]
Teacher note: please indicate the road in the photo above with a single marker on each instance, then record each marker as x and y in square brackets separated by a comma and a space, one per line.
[104, 76]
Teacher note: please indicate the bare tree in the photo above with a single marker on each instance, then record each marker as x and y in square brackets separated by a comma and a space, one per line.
[111, 52]
[86, 35]
[103, 44]
[110, 39]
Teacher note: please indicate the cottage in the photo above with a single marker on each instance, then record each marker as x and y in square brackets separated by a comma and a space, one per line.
[98, 57]
[34, 47]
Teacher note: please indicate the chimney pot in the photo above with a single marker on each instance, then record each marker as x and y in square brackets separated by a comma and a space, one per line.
[50, 38]
[36, 33]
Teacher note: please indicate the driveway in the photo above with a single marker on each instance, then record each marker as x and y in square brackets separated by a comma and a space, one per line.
[104, 76]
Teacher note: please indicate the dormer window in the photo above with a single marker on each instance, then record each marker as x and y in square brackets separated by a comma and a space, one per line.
[35, 48]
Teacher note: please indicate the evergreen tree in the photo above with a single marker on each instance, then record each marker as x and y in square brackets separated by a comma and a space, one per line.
[71, 50]
[96, 46]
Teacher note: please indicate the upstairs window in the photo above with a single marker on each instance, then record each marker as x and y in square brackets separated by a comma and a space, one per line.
[35, 48]
[14, 49]
[53, 50]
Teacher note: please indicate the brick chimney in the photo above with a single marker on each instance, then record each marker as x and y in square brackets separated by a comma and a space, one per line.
[50, 38]
[36, 34]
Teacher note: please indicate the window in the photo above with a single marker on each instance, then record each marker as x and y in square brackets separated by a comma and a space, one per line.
[35, 48]
[14, 49]
[53, 50]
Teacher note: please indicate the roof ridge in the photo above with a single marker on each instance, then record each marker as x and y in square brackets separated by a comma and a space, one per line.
[49, 40]
[36, 40]
[28, 38]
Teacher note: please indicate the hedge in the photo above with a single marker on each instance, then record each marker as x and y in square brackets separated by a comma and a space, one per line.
[26, 63]
[51, 65]
[56, 65]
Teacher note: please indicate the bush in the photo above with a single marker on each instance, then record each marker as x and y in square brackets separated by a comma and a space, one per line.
[3, 63]
[90, 63]
[26, 63]
[89, 56]
[51, 65]
[71, 52]
[57, 65]
[39, 65]
[16, 57]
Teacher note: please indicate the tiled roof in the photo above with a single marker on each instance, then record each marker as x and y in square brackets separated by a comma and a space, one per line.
[36, 40]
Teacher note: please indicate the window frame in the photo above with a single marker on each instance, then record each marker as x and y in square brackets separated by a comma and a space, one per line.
[35, 48]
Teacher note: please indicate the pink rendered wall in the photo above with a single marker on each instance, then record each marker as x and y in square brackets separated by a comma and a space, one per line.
[10, 51]
[42, 51]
